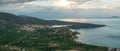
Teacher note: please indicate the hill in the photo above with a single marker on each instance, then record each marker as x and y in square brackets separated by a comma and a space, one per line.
[8, 20]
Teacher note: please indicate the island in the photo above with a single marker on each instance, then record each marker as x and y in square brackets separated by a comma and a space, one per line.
[115, 17]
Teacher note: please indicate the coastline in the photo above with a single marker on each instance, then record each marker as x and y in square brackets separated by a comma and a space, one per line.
[103, 48]
[52, 38]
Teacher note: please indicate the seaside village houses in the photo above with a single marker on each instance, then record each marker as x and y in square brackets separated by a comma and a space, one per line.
[31, 28]
[113, 49]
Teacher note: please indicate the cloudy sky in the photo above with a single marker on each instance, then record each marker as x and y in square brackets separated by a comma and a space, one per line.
[50, 9]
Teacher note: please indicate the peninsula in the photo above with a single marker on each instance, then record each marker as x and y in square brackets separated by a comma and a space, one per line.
[25, 33]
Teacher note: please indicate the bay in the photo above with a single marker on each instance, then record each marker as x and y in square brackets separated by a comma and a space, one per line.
[108, 36]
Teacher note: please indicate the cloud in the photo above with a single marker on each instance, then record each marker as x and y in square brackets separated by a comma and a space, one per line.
[50, 12]
[95, 6]
[39, 8]
[2, 2]
[81, 1]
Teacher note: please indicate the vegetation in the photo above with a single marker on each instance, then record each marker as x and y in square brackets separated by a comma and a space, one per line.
[43, 40]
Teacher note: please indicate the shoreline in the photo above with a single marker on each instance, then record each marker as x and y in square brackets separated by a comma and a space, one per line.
[61, 38]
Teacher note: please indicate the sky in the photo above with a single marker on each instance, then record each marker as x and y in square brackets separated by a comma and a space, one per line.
[58, 9]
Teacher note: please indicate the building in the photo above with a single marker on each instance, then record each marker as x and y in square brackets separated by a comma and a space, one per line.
[113, 49]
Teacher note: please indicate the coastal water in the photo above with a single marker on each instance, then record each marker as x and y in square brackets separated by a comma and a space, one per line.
[105, 36]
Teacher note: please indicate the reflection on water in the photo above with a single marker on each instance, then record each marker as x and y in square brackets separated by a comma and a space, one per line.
[74, 20]
[104, 36]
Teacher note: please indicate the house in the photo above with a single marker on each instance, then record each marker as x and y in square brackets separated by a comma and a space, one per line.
[113, 49]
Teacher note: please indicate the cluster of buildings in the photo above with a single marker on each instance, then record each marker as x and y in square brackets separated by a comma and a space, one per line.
[31, 28]
[113, 49]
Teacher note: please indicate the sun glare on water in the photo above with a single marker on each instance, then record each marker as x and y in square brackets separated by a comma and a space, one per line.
[74, 20]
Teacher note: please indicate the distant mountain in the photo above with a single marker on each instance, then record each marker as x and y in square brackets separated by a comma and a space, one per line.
[11, 20]
[115, 17]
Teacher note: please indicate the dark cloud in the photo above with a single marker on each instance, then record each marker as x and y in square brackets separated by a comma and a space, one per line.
[2, 2]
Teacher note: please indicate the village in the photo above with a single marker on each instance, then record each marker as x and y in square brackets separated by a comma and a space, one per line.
[45, 38]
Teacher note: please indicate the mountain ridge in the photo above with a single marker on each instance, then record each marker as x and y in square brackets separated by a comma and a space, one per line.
[12, 20]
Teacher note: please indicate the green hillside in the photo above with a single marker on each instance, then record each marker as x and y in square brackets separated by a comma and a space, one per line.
[10, 20]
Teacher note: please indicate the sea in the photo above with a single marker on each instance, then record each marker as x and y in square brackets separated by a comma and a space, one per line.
[108, 36]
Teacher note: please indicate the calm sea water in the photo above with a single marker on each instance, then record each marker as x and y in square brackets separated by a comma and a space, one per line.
[105, 36]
